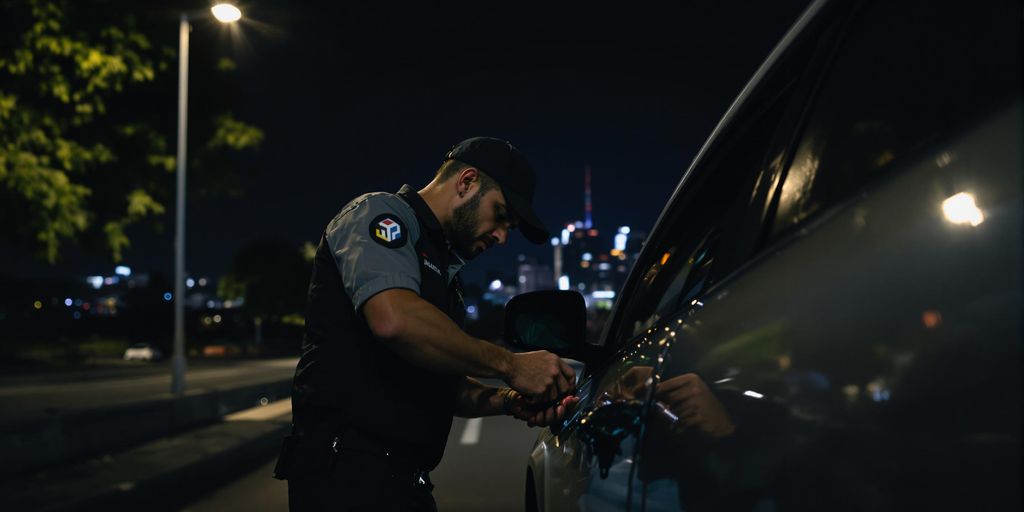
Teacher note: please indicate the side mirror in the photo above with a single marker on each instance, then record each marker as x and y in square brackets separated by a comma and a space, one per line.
[552, 320]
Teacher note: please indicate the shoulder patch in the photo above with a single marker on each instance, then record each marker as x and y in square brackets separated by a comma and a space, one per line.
[388, 230]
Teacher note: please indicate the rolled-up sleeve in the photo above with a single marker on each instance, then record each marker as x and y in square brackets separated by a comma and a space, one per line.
[374, 245]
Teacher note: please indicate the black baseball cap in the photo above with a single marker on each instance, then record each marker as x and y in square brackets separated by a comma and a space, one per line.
[500, 160]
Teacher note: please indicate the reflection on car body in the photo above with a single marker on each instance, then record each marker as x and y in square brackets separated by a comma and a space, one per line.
[827, 313]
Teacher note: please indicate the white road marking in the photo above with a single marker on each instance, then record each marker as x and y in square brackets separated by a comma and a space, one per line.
[471, 434]
[262, 412]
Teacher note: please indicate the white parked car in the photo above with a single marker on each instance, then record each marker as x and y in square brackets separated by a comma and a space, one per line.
[142, 352]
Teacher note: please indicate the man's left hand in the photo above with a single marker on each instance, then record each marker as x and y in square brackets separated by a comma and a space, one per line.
[520, 408]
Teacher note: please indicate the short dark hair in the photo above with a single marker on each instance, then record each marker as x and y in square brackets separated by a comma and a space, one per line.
[452, 167]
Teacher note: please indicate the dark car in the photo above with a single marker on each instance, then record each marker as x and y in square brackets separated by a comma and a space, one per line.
[827, 314]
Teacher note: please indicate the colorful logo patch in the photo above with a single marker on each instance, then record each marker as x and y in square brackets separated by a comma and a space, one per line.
[388, 231]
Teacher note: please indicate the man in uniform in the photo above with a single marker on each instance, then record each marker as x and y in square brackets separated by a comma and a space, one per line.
[385, 363]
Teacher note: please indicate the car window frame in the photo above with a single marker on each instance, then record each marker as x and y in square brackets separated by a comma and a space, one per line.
[745, 107]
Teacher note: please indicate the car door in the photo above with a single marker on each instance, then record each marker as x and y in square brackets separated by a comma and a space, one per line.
[590, 461]
[867, 356]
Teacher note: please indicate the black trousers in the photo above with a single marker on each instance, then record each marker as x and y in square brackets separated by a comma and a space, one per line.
[361, 481]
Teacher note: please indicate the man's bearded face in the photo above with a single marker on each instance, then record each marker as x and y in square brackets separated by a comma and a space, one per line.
[463, 230]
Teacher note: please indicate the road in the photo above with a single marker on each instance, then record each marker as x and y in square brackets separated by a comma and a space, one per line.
[31, 398]
[484, 468]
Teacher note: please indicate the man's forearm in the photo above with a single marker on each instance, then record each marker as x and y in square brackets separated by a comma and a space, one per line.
[476, 400]
[420, 333]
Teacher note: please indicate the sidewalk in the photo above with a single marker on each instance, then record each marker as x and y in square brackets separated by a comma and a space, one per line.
[49, 424]
[165, 474]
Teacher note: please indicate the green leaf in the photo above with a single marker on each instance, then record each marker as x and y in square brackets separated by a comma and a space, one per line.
[117, 240]
[140, 204]
[234, 134]
[166, 162]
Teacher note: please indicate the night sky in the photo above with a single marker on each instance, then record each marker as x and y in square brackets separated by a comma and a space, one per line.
[359, 97]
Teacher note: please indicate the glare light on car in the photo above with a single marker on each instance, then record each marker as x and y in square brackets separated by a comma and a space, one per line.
[961, 209]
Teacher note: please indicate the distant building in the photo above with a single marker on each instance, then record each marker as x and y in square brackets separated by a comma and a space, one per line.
[532, 276]
[595, 266]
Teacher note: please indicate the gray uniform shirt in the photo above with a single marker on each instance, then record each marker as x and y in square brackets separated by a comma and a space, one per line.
[373, 240]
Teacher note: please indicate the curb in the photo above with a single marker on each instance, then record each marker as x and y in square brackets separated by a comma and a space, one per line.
[43, 444]
[166, 474]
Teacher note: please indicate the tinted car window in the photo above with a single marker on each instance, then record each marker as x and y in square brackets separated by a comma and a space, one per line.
[711, 227]
[893, 90]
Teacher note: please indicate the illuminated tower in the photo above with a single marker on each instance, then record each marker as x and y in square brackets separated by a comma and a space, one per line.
[588, 221]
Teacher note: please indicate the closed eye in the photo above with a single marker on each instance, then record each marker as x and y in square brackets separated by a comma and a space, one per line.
[501, 216]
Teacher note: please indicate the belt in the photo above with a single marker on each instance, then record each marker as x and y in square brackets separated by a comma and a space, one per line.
[402, 467]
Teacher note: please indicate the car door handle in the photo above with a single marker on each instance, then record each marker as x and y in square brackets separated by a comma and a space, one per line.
[605, 426]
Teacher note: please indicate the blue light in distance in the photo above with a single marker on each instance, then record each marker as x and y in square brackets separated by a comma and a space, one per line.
[620, 242]
[563, 283]
[168, 296]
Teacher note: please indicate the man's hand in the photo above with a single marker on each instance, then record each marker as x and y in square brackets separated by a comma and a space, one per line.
[541, 376]
[689, 398]
[519, 408]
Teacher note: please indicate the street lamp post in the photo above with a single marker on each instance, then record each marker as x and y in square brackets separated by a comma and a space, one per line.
[225, 13]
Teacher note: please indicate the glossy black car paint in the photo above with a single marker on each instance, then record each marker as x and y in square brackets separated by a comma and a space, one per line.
[841, 267]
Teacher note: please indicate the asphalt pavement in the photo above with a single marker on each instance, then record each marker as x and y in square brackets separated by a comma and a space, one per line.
[227, 465]
[484, 468]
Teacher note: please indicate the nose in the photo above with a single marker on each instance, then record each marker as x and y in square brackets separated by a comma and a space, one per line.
[500, 235]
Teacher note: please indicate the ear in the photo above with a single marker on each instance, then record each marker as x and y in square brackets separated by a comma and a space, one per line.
[466, 180]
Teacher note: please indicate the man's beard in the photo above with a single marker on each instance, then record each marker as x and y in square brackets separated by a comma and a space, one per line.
[463, 226]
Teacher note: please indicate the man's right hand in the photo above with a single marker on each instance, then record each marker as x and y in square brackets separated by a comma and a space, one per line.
[541, 376]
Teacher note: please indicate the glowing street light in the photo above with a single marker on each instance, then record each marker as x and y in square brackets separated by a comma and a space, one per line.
[225, 13]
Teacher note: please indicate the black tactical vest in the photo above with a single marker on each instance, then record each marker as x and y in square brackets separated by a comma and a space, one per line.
[346, 376]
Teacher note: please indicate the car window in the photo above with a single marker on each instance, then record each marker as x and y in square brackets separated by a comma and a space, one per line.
[717, 220]
[711, 226]
[889, 92]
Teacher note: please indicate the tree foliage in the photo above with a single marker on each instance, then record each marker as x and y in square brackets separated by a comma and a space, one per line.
[87, 102]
